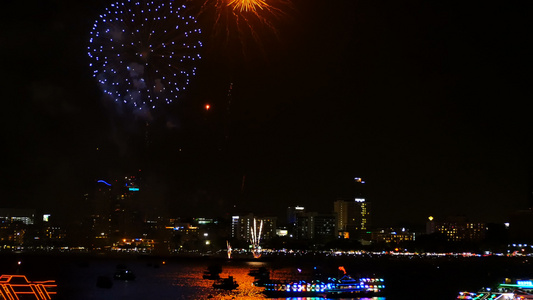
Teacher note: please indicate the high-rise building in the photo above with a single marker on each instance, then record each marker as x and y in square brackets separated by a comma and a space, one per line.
[392, 236]
[26, 216]
[458, 228]
[353, 216]
[293, 212]
[315, 226]
[115, 211]
[242, 226]
[127, 217]
[353, 211]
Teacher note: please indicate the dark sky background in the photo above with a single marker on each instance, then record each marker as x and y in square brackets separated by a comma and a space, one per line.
[426, 100]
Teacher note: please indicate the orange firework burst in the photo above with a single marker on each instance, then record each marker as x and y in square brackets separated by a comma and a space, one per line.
[243, 21]
[248, 5]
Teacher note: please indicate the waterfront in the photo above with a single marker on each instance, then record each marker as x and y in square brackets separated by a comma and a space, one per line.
[181, 278]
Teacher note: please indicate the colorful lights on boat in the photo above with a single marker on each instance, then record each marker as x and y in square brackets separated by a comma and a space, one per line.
[333, 286]
[525, 283]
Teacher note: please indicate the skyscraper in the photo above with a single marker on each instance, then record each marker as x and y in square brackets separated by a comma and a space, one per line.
[126, 216]
[241, 227]
[315, 226]
[293, 212]
[353, 214]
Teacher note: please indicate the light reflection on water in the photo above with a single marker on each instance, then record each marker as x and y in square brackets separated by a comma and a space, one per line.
[173, 281]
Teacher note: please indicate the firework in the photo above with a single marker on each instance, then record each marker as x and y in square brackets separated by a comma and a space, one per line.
[249, 5]
[256, 238]
[229, 249]
[143, 53]
[238, 20]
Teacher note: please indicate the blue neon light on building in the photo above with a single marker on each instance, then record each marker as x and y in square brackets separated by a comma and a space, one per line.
[101, 181]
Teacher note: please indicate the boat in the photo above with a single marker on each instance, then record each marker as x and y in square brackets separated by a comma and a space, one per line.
[211, 276]
[482, 295]
[212, 272]
[262, 282]
[226, 284]
[510, 289]
[124, 274]
[346, 286]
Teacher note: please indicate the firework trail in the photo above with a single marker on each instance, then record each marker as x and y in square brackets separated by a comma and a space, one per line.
[229, 249]
[256, 238]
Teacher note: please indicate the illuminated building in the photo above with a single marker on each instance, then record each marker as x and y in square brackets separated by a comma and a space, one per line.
[293, 212]
[460, 229]
[183, 234]
[353, 211]
[235, 226]
[134, 245]
[114, 213]
[15, 226]
[195, 233]
[392, 236]
[55, 233]
[26, 216]
[315, 226]
[126, 217]
[241, 227]
[12, 233]
[282, 232]
[205, 221]
[353, 216]
[97, 224]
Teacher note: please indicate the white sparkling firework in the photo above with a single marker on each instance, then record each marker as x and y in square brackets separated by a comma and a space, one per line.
[255, 234]
[143, 53]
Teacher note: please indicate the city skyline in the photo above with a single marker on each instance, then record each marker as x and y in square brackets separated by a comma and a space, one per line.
[425, 102]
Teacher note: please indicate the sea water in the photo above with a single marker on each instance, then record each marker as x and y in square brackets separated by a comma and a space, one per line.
[174, 278]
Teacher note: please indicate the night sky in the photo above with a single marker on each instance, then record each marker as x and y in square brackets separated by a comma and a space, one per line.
[426, 101]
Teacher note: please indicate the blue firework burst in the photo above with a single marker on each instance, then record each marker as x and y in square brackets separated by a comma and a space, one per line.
[143, 53]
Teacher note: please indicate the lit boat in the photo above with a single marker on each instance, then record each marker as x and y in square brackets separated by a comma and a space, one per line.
[124, 274]
[332, 287]
[486, 295]
[509, 290]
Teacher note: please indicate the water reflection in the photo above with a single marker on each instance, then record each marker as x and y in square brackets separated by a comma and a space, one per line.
[179, 280]
[191, 276]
